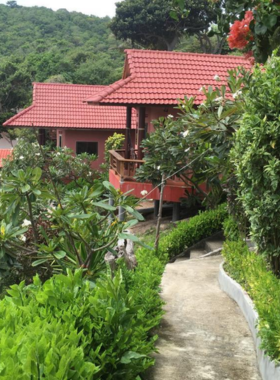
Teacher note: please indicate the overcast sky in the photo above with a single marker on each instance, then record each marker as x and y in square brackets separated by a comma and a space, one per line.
[99, 8]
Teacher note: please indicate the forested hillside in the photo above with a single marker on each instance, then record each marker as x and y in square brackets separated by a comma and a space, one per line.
[38, 44]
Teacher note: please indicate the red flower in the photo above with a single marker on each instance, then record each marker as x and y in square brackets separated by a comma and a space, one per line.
[240, 33]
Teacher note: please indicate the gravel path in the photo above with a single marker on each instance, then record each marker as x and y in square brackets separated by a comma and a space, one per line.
[203, 333]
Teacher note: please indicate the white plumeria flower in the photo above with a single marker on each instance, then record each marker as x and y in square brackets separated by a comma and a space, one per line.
[216, 77]
[37, 154]
[26, 223]
[219, 99]
[186, 150]
[185, 134]
[21, 157]
[58, 153]
[170, 116]
[236, 94]
[89, 173]
[158, 168]
[201, 89]
[144, 192]
[22, 238]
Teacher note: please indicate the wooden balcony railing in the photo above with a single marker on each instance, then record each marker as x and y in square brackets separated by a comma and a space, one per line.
[125, 168]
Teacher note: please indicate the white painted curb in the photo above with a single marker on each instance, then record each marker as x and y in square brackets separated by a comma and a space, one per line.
[268, 369]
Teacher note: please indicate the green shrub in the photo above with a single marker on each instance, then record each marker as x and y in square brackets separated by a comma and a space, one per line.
[69, 328]
[256, 158]
[231, 230]
[187, 233]
[250, 270]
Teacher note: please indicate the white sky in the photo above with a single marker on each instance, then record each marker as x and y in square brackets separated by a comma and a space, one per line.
[99, 8]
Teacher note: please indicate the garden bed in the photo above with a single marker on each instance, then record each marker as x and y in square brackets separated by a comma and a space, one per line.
[249, 273]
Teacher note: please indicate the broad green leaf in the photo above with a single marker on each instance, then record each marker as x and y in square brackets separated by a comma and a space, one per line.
[25, 188]
[81, 216]
[37, 173]
[39, 262]
[134, 212]
[128, 237]
[59, 254]
[105, 206]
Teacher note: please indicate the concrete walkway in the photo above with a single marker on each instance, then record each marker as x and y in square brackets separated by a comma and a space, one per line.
[203, 333]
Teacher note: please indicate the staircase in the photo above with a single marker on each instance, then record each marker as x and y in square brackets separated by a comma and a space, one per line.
[207, 247]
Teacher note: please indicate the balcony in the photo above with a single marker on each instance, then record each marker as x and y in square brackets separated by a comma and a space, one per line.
[122, 176]
[123, 167]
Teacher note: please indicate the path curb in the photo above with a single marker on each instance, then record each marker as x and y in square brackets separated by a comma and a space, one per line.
[268, 369]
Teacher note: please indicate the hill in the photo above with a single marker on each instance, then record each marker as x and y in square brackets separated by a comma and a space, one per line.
[38, 44]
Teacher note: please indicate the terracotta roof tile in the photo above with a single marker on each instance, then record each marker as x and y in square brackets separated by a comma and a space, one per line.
[162, 77]
[4, 153]
[62, 105]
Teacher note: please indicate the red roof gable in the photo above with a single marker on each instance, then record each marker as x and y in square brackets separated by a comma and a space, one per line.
[4, 153]
[162, 77]
[61, 105]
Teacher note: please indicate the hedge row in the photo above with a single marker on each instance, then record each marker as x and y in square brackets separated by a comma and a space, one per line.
[251, 272]
[188, 233]
[68, 328]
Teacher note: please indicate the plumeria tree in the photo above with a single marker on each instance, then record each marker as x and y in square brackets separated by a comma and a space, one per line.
[49, 224]
[196, 145]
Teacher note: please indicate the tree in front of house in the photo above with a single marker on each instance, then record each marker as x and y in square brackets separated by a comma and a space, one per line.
[55, 215]
[151, 24]
[196, 146]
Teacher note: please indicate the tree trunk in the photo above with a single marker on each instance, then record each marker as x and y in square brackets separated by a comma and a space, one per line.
[171, 45]
[160, 211]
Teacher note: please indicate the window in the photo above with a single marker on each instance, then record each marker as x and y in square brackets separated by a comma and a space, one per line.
[60, 141]
[87, 147]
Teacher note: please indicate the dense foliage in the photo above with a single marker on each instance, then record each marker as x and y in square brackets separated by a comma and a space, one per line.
[250, 270]
[256, 159]
[56, 226]
[69, 328]
[38, 44]
[188, 233]
[196, 145]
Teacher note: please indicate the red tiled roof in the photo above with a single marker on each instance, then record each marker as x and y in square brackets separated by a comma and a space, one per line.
[61, 105]
[4, 153]
[162, 77]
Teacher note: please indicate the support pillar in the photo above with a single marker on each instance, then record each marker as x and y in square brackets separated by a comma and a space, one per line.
[141, 131]
[127, 145]
[156, 208]
[121, 214]
[42, 136]
[176, 211]
[111, 203]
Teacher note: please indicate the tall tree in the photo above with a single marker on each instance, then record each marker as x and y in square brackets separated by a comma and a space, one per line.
[15, 86]
[151, 24]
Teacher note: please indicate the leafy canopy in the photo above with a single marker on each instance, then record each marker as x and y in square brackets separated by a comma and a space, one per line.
[150, 23]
